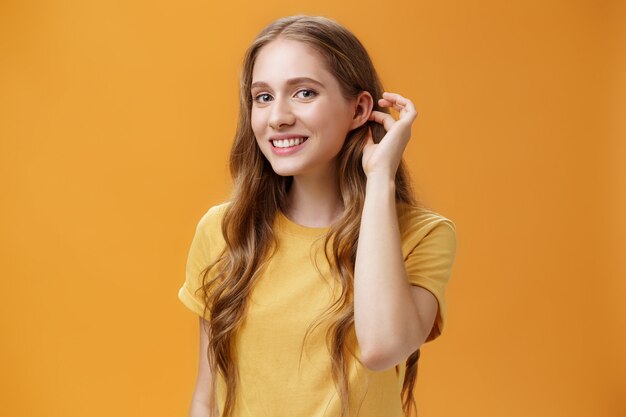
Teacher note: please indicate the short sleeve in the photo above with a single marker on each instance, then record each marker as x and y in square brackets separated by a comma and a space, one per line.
[429, 265]
[202, 252]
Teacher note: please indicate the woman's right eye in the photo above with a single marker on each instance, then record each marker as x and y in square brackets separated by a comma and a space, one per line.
[258, 100]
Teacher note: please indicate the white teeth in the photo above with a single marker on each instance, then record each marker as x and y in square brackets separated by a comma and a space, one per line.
[286, 143]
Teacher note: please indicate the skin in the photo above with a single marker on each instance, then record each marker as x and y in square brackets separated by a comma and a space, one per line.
[392, 317]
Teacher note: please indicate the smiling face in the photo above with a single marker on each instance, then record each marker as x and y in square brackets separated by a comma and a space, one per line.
[296, 101]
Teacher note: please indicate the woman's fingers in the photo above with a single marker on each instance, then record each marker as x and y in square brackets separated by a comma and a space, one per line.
[398, 102]
[401, 104]
[388, 152]
[396, 98]
[383, 118]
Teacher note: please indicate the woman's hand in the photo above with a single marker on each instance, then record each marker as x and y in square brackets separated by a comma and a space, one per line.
[384, 158]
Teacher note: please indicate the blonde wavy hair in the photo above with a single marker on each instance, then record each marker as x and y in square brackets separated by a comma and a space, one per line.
[259, 193]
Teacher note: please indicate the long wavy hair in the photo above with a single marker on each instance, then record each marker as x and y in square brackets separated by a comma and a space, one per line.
[259, 193]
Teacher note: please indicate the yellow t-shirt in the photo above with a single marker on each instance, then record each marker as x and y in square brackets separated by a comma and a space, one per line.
[274, 380]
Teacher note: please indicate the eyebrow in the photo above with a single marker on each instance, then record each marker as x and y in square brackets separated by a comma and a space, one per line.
[291, 81]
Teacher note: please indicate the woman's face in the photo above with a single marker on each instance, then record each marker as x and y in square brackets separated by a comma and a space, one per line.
[299, 117]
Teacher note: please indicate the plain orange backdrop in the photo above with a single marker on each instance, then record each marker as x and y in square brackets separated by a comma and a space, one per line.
[116, 119]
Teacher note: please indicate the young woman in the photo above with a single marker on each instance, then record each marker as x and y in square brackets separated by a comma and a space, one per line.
[319, 280]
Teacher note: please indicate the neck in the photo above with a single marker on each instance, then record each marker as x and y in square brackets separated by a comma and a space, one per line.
[314, 201]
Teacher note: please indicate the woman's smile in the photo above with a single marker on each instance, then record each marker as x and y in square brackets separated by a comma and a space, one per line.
[288, 146]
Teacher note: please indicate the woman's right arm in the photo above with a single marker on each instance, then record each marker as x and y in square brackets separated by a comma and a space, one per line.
[204, 383]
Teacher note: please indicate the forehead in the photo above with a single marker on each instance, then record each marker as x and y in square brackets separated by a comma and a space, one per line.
[283, 59]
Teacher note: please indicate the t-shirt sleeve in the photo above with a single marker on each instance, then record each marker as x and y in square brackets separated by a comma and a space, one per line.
[200, 255]
[429, 265]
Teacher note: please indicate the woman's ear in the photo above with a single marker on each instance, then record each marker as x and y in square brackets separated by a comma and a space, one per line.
[363, 106]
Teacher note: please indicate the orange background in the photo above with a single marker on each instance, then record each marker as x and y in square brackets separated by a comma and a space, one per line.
[115, 122]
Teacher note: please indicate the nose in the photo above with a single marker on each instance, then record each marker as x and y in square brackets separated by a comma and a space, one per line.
[281, 114]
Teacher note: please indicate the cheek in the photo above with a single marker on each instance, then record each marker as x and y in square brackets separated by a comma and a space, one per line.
[330, 122]
[313, 115]
[256, 122]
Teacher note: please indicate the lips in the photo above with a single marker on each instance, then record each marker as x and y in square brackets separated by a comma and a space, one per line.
[290, 142]
[287, 147]
[287, 136]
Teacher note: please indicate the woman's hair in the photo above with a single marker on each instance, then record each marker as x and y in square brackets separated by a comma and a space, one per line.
[259, 193]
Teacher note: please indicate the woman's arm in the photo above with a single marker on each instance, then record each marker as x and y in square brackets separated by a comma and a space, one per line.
[204, 383]
[388, 323]
[392, 318]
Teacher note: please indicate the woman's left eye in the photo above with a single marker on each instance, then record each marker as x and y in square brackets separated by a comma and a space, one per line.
[310, 93]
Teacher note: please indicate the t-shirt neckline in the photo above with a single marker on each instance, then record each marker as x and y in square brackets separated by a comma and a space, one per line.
[292, 227]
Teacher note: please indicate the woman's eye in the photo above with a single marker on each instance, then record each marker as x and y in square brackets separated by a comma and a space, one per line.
[309, 93]
[264, 98]
[257, 98]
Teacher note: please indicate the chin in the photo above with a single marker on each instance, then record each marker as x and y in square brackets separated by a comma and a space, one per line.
[286, 171]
